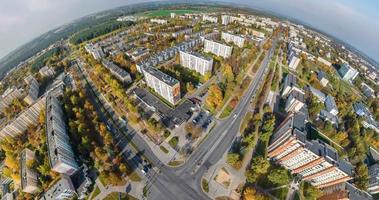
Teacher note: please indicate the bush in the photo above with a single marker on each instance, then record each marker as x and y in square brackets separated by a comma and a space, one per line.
[174, 141]
[204, 184]
[163, 149]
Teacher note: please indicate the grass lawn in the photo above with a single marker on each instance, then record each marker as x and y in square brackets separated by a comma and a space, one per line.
[165, 13]
[174, 141]
[204, 185]
[280, 193]
[95, 192]
[134, 177]
[115, 196]
[163, 149]
[226, 112]
[175, 163]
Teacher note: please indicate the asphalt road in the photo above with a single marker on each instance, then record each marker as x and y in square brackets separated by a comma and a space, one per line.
[166, 183]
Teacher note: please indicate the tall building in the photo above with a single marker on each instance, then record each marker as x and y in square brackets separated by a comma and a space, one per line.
[23, 120]
[293, 60]
[196, 61]
[46, 71]
[226, 19]
[118, 72]
[29, 178]
[218, 49]
[295, 101]
[311, 160]
[61, 155]
[210, 18]
[163, 84]
[344, 191]
[373, 184]
[33, 90]
[95, 51]
[61, 190]
[8, 96]
[290, 83]
[158, 21]
[331, 105]
[347, 72]
[235, 39]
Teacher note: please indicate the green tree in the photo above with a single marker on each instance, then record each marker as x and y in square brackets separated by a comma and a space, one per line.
[279, 176]
[233, 158]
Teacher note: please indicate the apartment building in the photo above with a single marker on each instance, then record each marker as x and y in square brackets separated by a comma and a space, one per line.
[235, 39]
[95, 51]
[368, 119]
[196, 61]
[331, 105]
[208, 18]
[290, 83]
[312, 160]
[218, 49]
[9, 95]
[33, 90]
[293, 60]
[367, 90]
[373, 184]
[182, 32]
[61, 155]
[344, 191]
[295, 101]
[61, 190]
[322, 78]
[158, 21]
[163, 84]
[118, 72]
[226, 19]
[46, 71]
[29, 177]
[23, 120]
[347, 72]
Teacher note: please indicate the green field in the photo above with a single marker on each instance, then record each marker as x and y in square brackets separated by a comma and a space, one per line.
[165, 13]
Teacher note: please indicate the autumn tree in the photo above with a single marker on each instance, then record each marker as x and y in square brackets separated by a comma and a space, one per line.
[214, 98]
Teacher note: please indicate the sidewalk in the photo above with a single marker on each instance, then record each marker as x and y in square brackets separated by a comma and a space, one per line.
[134, 189]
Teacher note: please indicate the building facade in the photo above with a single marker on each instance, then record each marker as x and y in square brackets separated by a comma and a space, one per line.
[218, 49]
[9, 95]
[29, 178]
[196, 61]
[331, 105]
[33, 90]
[373, 184]
[295, 101]
[61, 155]
[118, 72]
[347, 73]
[61, 190]
[235, 39]
[163, 84]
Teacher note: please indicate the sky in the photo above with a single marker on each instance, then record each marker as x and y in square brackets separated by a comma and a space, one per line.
[353, 21]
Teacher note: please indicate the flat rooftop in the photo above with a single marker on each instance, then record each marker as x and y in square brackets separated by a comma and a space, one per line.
[161, 76]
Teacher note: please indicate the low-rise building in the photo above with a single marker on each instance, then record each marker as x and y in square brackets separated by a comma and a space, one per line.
[322, 78]
[327, 116]
[9, 95]
[311, 160]
[295, 101]
[331, 105]
[95, 51]
[367, 90]
[118, 72]
[158, 21]
[61, 190]
[46, 71]
[61, 155]
[163, 84]
[218, 49]
[196, 61]
[33, 90]
[323, 61]
[347, 72]
[29, 178]
[235, 39]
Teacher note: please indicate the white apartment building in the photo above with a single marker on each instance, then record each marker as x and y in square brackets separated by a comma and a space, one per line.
[373, 184]
[118, 72]
[61, 190]
[331, 105]
[312, 160]
[29, 177]
[290, 83]
[295, 101]
[158, 21]
[196, 61]
[347, 72]
[23, 120]
[218, 49]
[32, 95]
[235, 39]
[226, 19]
[46, 71]
[163, 84]
[293, 60]
[210, 18]
[95, 51]
[323, 61]
[61, 155]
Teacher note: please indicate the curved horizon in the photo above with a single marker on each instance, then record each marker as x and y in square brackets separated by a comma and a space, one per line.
[278, 8]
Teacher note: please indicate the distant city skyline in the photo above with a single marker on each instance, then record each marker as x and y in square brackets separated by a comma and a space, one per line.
[354, 22]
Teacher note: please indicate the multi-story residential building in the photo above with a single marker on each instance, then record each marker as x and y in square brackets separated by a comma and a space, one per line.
[218, 49]
[33, 91]
[327, 116]
[312, 160]
[95, 51]
[347, 72]
[293, 60]
[331, 105]
[235, 39]
[208, 18]
[61, 155]
[163, 84]
[23, 120]
[369, 121]
[46, 71]
[322, 78]
[373, 184]
[9, 95]
[182, 32]
[118, 72]
[367, 90]
[321, 97]
[226, 19]
[323, 61]
[196, 61]
[29, 178]
[61, 190]
[290, 83]
[344, 191]
[295, 101]
[158, 21]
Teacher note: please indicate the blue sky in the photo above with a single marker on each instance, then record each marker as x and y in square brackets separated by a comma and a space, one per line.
[353, 21]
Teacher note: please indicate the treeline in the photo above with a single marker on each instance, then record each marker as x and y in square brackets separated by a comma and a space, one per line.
[98, 30]
[43, 59]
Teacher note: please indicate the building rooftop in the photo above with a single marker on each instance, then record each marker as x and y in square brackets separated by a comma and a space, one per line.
[199, 55]
[58, 188]
[161, 76]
